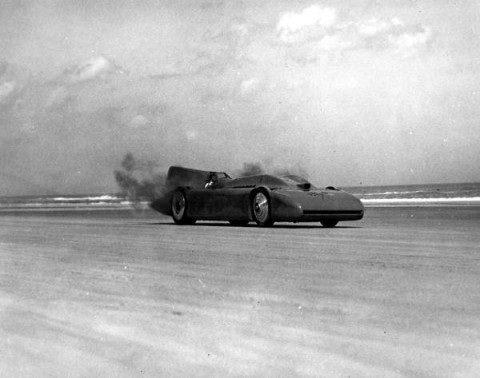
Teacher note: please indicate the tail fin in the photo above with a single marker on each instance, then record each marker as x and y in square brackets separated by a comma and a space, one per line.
[179, 176]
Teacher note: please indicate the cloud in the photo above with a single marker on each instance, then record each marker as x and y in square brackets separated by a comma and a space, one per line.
[138, 121]
[293, 27]
[391, 34]
[8, 83]
[409, 42]
[374, 26]
[316, 31]
[191, 134]
[7, 88]
[249, 86]
[98, 67]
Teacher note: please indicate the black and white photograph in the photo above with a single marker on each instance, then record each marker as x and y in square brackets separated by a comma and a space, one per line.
[240, 188]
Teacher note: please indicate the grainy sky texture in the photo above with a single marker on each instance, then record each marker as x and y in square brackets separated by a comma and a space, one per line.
[352, 92]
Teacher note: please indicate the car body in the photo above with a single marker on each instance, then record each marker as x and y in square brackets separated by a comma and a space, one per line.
[192, 195]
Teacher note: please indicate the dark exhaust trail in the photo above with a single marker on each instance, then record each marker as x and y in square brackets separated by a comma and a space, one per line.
[250, 169]
[139, 180]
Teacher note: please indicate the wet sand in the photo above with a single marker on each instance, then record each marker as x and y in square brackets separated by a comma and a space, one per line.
[120, 293]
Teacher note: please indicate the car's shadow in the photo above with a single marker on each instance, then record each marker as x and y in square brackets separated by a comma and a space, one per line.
[250, 225]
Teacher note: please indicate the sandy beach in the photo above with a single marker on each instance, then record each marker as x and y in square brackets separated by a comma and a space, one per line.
[123, 293]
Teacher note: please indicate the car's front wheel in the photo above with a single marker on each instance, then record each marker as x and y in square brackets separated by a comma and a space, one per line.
[179, 206]
[261, 209]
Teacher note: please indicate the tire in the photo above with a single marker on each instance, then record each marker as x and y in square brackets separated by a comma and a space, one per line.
[239, 223]
[329, 223]
[261, 209]
[179, 207]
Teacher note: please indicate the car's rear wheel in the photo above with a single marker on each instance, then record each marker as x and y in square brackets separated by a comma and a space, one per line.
[261, 209]
[179, 208]
[329, 223]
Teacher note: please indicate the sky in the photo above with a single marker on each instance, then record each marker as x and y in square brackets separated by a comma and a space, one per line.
[350, 92]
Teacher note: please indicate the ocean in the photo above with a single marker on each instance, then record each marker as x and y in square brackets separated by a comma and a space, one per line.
[463, 194]
[435, 194]
[91, 201]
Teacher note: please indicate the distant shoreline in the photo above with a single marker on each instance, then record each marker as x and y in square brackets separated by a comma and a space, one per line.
[421, 202]
[142, 206]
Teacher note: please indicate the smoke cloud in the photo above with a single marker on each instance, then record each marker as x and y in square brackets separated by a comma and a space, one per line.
[259, 168]
[139, 179]
[250, 169]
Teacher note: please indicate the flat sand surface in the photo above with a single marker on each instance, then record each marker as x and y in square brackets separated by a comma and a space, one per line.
[122, 294]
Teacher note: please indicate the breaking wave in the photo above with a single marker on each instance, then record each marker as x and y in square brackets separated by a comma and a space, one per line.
[418, 201]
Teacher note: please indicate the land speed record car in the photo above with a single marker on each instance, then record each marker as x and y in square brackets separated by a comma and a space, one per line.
[192, 195]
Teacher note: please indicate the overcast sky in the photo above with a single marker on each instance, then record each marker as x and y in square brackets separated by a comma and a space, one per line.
[352, 92]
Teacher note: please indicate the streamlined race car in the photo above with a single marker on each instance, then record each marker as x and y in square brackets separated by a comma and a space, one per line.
[193, 195]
